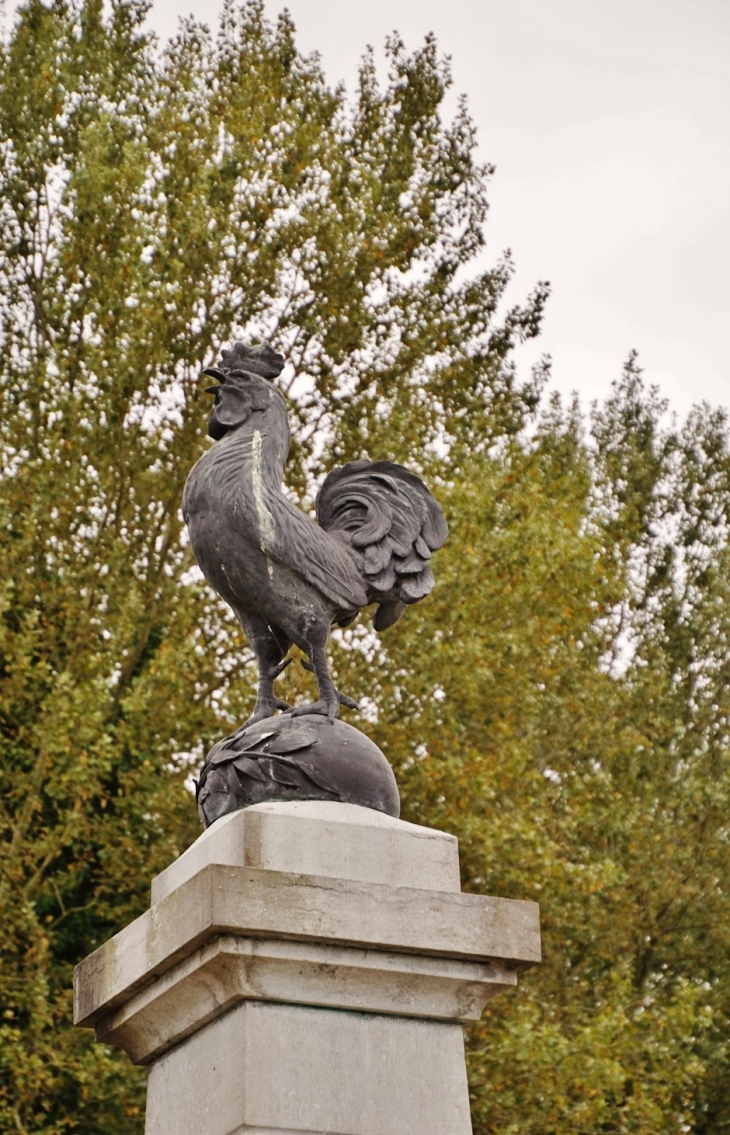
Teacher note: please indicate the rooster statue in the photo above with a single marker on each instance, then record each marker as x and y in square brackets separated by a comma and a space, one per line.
[288, 579]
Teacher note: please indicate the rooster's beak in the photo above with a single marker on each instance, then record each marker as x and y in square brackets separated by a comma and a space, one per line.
[213, 372]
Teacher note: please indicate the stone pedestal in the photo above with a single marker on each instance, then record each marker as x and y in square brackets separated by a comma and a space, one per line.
[307, 967]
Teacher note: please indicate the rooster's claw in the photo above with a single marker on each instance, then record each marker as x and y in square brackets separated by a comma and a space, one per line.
[329, 709]
[323, 708]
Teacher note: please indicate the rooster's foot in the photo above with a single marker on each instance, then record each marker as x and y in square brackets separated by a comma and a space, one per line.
[263, 710]
[326, 709]
[329, 709]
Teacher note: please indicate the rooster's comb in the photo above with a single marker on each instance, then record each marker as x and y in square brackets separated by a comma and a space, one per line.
[261, 359]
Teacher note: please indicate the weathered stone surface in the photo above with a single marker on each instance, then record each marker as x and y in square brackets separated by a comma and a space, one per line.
[255, 903]
[265, 1067]
[230, 969]
[324, 838]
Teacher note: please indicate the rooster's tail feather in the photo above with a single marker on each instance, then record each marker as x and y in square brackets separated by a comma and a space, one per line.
[392, 523]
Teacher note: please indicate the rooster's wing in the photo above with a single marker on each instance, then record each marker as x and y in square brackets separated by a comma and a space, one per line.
[323, 560]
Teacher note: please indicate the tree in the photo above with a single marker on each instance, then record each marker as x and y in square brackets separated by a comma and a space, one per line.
[559, 703]
[151, 207]
[599, 774]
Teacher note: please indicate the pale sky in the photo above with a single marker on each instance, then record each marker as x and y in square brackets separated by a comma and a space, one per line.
[609, 124]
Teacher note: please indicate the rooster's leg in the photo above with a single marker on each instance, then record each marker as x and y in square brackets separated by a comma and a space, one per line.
[330, 698]
[270, 645]
[344, 699]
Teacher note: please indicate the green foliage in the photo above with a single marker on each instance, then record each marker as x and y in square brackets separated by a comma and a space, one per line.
[560, 702]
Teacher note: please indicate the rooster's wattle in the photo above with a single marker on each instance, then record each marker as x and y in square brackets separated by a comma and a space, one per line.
[287, 578]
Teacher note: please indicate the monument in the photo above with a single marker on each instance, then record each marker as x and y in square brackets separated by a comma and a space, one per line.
[308, 964]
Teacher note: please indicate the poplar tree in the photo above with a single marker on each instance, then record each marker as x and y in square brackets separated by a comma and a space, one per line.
[560, 703]
[154, 205]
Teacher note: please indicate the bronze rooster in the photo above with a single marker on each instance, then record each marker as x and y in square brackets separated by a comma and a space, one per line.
[287, 578]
